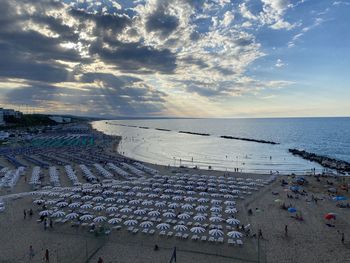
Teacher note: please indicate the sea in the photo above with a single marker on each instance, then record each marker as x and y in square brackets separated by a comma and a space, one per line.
[142, 140]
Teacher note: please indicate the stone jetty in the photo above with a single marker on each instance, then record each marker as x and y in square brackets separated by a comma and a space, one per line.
[247, 139]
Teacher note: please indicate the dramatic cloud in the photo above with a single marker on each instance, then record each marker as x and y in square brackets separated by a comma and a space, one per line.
[139, 57]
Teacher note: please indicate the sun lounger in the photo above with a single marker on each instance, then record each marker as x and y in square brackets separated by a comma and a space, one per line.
[162, 233]
[204, 238]
[135, 231]
[211, 239]
[220, 240]
[145, 231]
[185, 236]
[131, 228]
[170, 234]
[151, 232]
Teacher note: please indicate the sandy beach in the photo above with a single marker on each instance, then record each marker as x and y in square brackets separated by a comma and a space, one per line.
[310, 240]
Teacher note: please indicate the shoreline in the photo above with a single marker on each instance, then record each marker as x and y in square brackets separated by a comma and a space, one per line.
[301, 172]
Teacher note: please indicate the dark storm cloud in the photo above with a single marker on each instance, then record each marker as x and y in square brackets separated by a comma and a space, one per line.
[162, 23]
[114, 22]
[16, 64]
[133, 57]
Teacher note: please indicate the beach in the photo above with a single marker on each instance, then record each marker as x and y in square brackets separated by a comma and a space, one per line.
[309, 240]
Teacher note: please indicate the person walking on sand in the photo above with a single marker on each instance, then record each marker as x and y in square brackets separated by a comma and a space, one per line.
[286, 230]
[31, 252]
[24, 214]
[260, 235]
[100, 260]
[47, 258]
[342, 238]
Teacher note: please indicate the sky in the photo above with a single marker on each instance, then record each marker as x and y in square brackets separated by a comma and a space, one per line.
[183, 58]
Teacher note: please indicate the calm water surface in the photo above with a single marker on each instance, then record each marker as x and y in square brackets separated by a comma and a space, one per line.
[326, 136]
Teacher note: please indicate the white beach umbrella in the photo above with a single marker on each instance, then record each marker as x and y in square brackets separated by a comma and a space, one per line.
[86, 197]
[140, 212]
[147, 202]
[235, 234]
[146, 224]
[203, 200]
[216, 209]
[173, 205]
[100, 219]
[86, 206]
[119, 193]
[98, 208]
[76, 196]
[199, 217]
[229, 196]
[231, 210]
[126, 210]
[201, 208]
[216, 232]
[184, 216]
[177, 198]
[134, 202]
[112, 209]
[233, 221]
[45, 213]
[58, 214]
[114, 220]
[230, 203]
[109, 199]
[163, 226]
[86, 217]
[62, 204]
[121, 201]
[169, 214]
[197, 229]
[130, 222]
[160, 204]
[74, 205]
[97, 199]
[71, 216]
[187, 207]
[180, 228]
[190, 199]
[154, 213]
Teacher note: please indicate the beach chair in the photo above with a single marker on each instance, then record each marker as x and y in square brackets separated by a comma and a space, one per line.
[231, 242]
[145, 231]
[220, 240]
[204, 238]
[228, 227]
[189, 224]
[178, 235]
[117, 227]
[195, 237]
[185, 236]
[162, 233]
[135, 231]
[239, 242]
[130, 229]
[151, 232]
[170, 234]
[211, 239]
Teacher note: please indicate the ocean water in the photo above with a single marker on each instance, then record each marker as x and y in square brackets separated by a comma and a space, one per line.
[324, 136]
